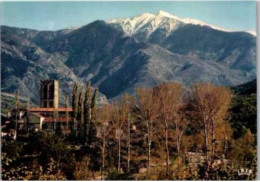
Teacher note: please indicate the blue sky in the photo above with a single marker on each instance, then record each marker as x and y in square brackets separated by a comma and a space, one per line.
[58, 15]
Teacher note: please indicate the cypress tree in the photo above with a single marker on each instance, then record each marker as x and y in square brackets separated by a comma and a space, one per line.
[17, 106]
[75, 105]
[81, 110]
[87, 112]
[94, 105]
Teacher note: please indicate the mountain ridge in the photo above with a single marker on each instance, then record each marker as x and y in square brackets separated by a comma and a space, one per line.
[116, 63]
[161, 17]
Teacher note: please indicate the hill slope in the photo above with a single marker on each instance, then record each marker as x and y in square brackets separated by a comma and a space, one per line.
[118, 60]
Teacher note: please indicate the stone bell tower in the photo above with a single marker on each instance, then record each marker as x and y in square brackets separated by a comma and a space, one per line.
[49, 94]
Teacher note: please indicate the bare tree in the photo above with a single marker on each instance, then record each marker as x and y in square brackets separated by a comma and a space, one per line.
[169, 96]
[55, 117]
[211, 104]
[149, 111]
[127, 103]
[28, 115]
[103, 135]
[103, 118]
[181, 124]
[128, 142]
[118, 125]
[121, 110]
[67, 113]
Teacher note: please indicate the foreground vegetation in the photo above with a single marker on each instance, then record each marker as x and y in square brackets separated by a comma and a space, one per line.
[154, 135]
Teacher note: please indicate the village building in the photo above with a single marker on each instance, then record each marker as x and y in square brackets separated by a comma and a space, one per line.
[49, 116]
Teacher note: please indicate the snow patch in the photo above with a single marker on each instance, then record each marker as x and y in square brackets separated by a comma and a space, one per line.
[148, 22]
[251, 32]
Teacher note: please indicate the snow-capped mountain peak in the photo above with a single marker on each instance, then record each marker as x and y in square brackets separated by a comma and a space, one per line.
[148, 23]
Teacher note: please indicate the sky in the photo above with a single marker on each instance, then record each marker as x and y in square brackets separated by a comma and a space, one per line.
[239, 16]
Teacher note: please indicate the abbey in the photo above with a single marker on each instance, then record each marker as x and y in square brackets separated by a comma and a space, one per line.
[49, 116]
[49, 94]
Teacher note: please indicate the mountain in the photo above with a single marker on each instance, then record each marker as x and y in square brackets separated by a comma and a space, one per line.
[193, 37]
[8, 102]
[246, 88]
[148, 23]
[121, 54]
[24, 63]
